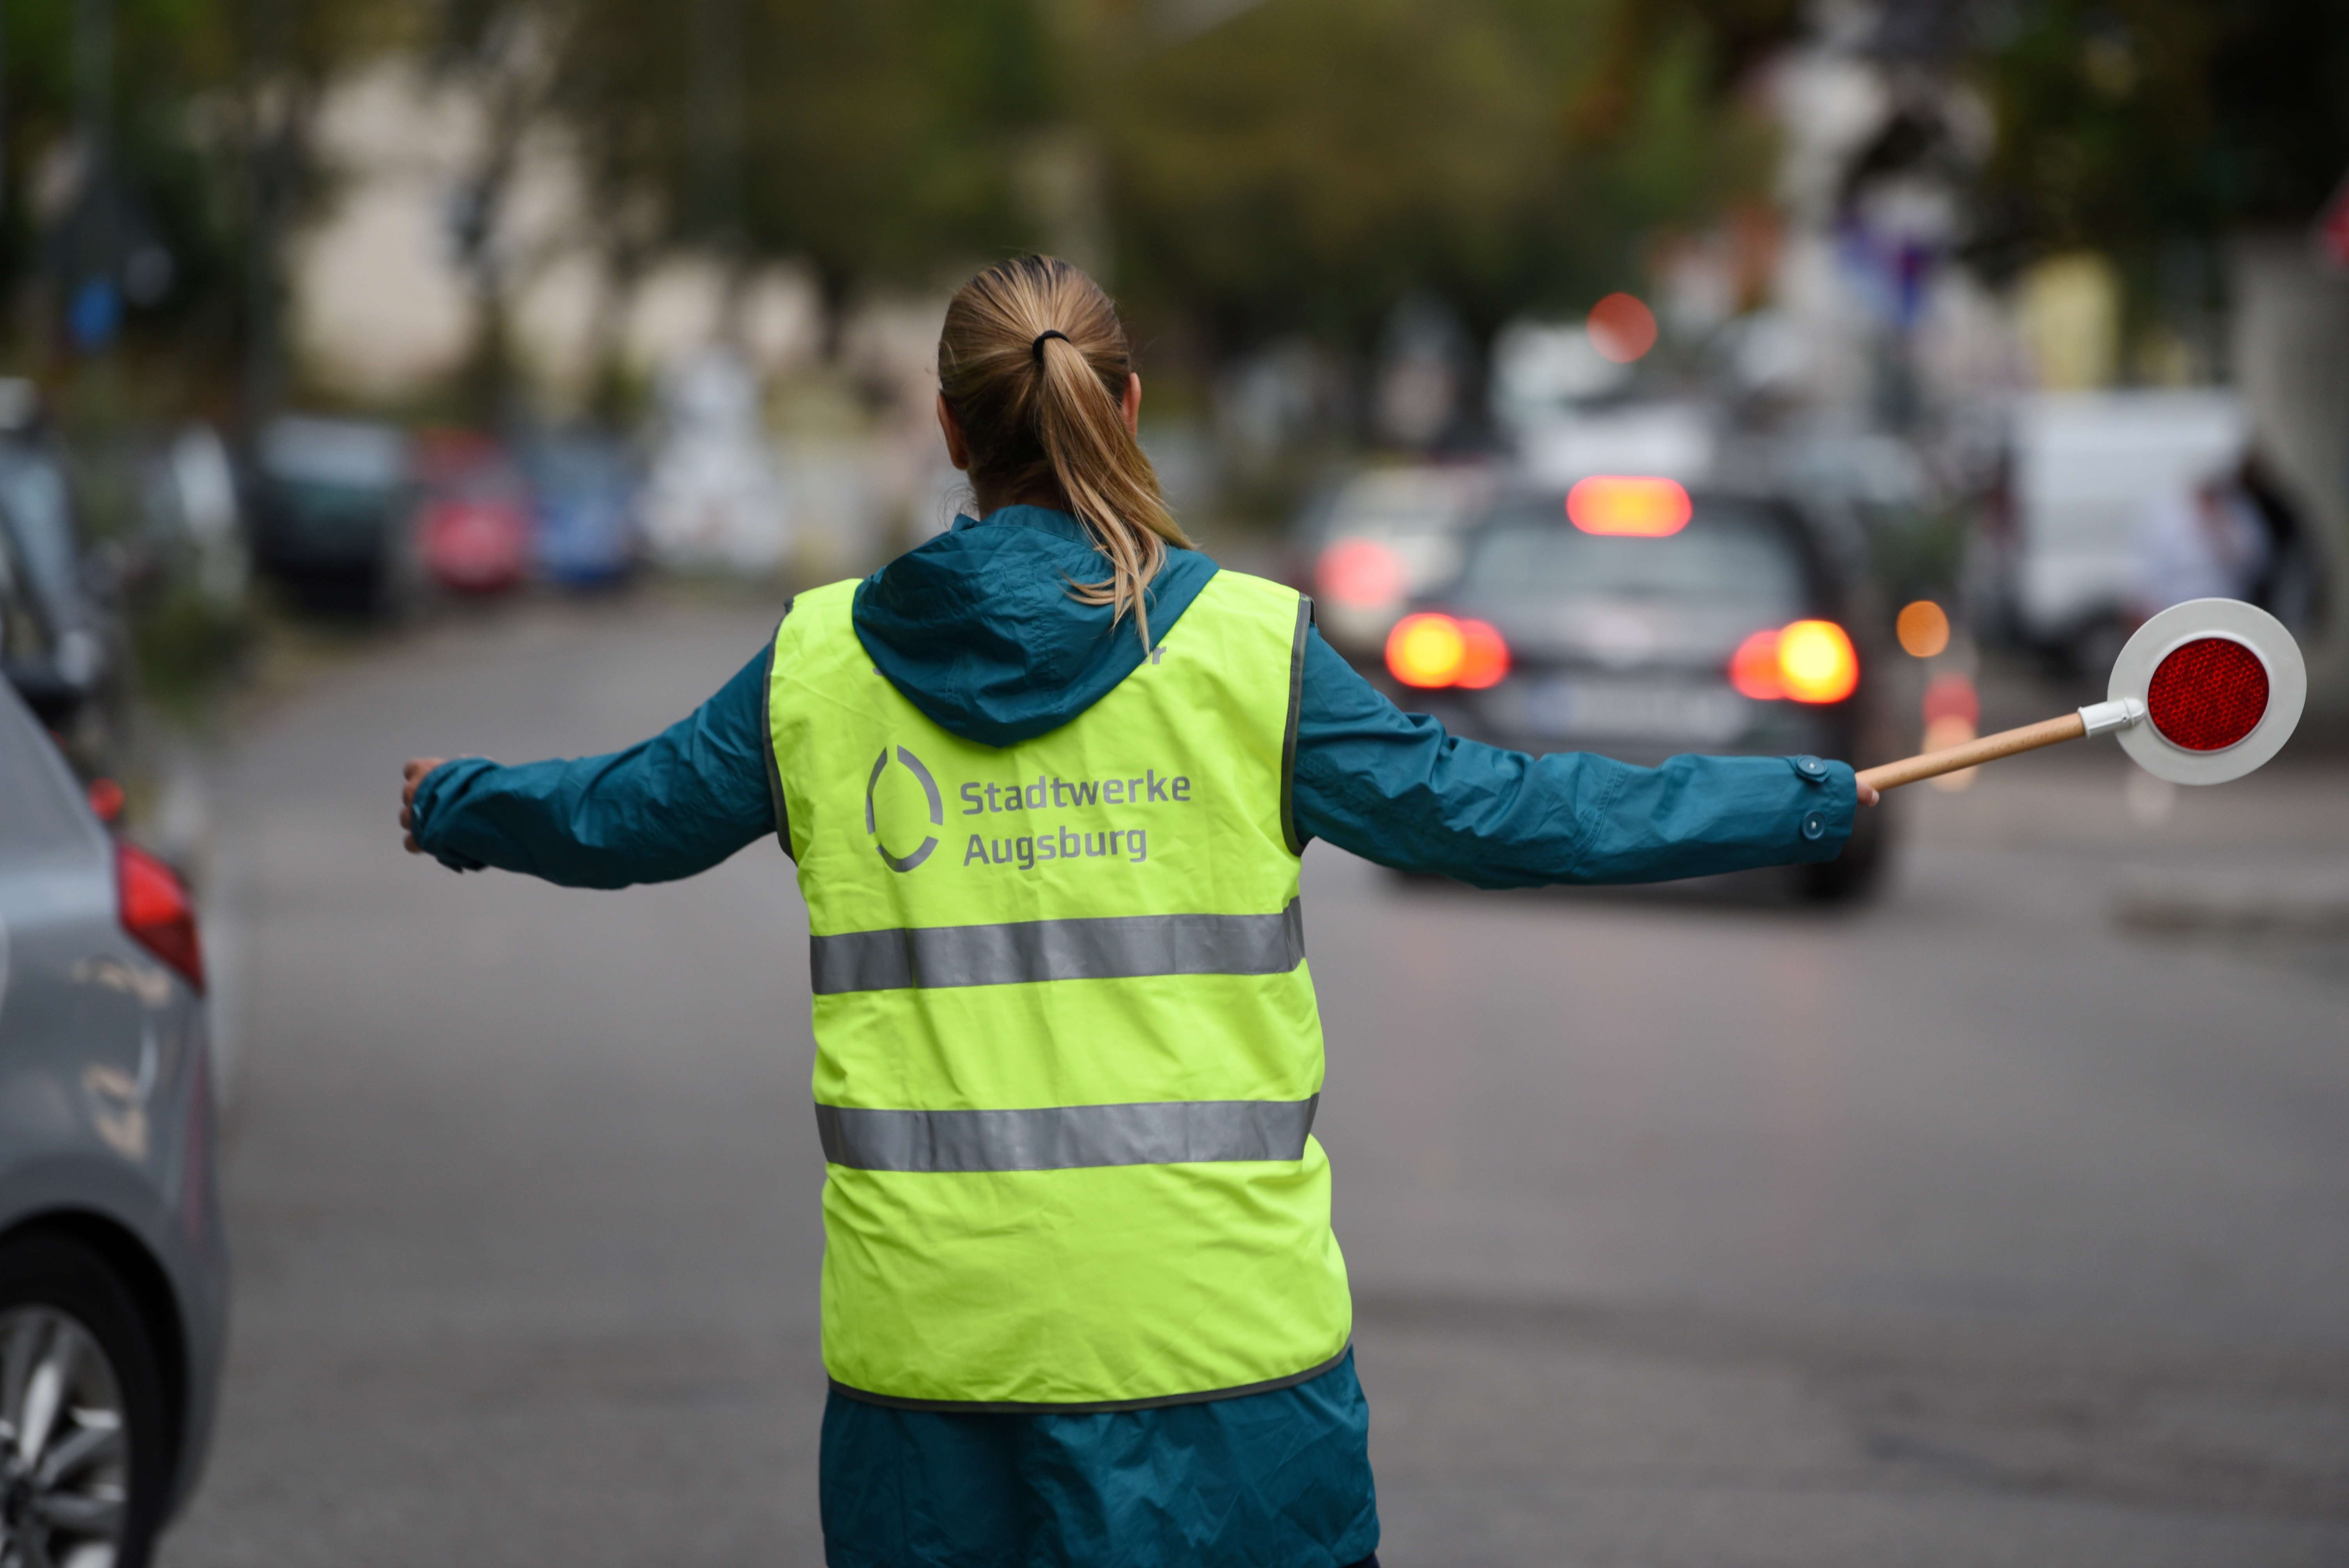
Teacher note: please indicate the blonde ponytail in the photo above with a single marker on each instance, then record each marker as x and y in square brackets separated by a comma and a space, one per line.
[1034, 363]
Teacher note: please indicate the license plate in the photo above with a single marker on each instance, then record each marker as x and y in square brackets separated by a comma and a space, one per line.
[1633, 710]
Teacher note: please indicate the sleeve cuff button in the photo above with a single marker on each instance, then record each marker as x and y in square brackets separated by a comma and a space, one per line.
[1814, 825]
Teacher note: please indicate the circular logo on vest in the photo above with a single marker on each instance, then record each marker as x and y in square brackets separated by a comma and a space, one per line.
[913, 765]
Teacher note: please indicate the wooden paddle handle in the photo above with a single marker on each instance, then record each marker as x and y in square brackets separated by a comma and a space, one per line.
[1989, 749]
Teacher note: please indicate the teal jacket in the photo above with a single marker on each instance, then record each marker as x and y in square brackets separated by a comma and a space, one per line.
[977, 630]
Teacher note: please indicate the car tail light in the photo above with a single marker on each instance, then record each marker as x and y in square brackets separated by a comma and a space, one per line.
[1817, 662]
[1427, 650]
[1361, 573]
[106, 801]
[1807, 661]
[1431, 650]
[158, 913]
[1618, 504]
[1485, 655]
[1754, 667]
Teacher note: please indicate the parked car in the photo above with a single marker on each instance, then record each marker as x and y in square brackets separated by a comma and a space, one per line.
[113, 1278]
[332, 502]
[61, 647]
[1637, 618]
[585, 495]
[473, 522]
[716, 498]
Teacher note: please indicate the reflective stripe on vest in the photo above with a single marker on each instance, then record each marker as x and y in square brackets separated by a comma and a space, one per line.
[1114, 947]
[1066, 1137]
[1067, 1051]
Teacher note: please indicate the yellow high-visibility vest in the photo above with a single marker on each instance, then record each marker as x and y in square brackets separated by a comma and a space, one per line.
[1066, 1048]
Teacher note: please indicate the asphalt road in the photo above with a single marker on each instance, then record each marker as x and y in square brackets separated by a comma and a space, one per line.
[2003, 1221]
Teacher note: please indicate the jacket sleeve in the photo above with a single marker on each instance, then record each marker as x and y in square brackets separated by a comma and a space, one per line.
[1394, 787]
[666, 807]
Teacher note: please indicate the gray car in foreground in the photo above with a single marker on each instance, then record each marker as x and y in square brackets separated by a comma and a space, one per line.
[113, 1280]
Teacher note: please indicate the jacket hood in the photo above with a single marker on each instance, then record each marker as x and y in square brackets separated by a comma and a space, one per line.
[978, 628]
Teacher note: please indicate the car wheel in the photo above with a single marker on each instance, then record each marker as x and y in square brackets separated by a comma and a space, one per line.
[83, 1458]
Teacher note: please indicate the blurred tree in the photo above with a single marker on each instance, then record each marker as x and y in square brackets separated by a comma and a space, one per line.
[2125, 124]
[1298, 163]
[1306, 164]
[1739, 35]
[152, 153]
[872, 141]
[508, 57]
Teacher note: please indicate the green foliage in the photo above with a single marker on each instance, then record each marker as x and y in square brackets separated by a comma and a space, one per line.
[192, 88]
[2124, 123]
[165, 53]
[1311, 162]
[871, 141]
[188, 648]
[1291, 165]
[1303, 165]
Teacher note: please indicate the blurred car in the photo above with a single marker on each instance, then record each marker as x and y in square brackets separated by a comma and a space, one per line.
[1634, 617]
[716, 498]
[61, 646]
[1383, 537]
[113, 1278]
[473, 522]
[194, 524]
[1679, 440]
[2088, 469]
[331, 506]
[584, 498]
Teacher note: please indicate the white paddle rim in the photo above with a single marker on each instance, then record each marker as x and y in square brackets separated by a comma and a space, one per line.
[2172, 629]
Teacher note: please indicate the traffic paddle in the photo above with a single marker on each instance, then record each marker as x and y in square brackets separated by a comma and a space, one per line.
[2205, 692]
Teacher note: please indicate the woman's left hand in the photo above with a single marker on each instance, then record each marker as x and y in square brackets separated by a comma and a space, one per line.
[418, 766]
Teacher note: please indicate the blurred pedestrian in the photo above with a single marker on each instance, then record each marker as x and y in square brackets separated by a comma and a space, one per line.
[2207, 541]
[1047, 780]
[2290, 586]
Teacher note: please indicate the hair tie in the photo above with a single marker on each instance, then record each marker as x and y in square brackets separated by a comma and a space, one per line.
[1037, 347]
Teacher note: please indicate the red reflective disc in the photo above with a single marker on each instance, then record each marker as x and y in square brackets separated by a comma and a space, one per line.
[2208, 695]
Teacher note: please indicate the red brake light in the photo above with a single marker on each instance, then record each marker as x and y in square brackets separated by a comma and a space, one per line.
[1754, 667]
[1618, 504]
[1430, 650]
[1361, 571]
[106, 801]
[1485, 655]
[158, 913]
[1817, 662]
[1427, 650]
[1807, 661]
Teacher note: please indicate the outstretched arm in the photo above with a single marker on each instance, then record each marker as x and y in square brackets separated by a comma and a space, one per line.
[1394, 787]
[666, 807]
